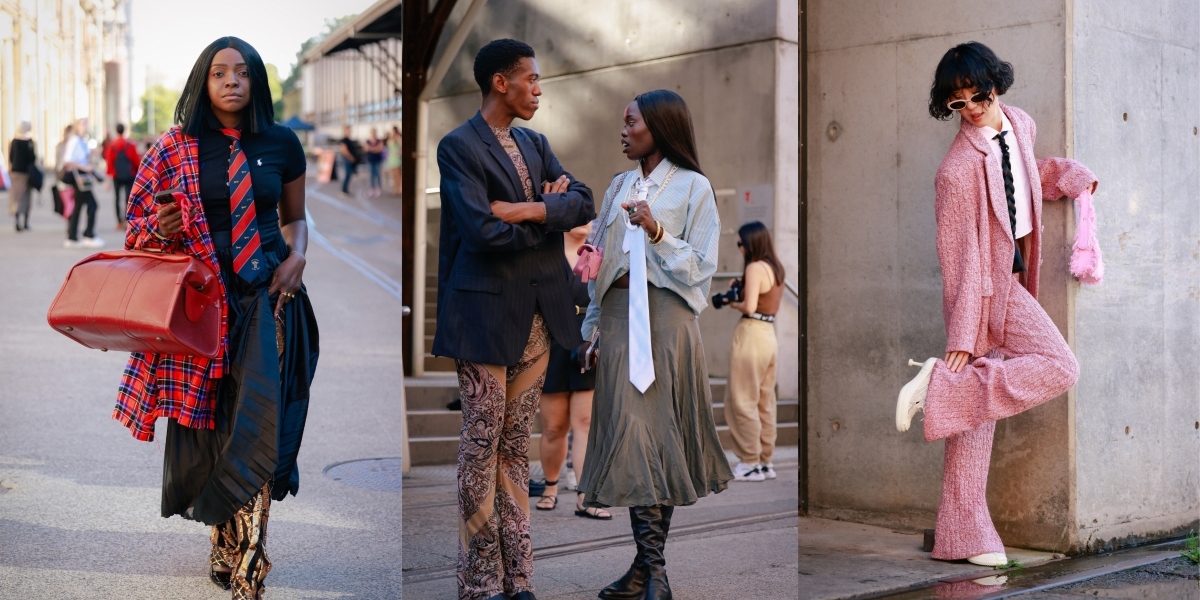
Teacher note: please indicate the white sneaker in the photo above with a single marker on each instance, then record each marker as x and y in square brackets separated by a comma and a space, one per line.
[745, 472]
[768, 471]
[991, 559]
[912, 395]
[72, 244]
[92, 242]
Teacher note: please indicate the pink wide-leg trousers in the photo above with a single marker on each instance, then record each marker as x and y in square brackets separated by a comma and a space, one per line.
[1032, 366]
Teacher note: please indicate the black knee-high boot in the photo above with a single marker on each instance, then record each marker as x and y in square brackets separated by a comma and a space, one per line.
[632, 585]
[658, 519]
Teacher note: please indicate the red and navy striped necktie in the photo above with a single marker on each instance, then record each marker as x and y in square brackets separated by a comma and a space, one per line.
[248, 260]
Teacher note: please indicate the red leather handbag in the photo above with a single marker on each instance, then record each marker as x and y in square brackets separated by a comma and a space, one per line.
[137, 301]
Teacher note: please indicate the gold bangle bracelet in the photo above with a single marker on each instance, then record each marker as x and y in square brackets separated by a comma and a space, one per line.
[658, 235]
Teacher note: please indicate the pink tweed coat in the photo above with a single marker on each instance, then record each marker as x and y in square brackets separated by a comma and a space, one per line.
[974, 238]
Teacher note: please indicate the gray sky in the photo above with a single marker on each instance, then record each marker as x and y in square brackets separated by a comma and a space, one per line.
[168, 35]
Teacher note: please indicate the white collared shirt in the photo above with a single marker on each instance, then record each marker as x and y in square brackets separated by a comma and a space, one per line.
[1022, 193]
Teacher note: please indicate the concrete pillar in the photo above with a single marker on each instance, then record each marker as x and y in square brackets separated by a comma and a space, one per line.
[875, 286]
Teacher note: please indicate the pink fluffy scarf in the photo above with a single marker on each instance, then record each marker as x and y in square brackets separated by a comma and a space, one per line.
[1087, 264]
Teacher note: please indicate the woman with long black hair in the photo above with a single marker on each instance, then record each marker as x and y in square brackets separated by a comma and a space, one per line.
[653, 444]
[226, 186]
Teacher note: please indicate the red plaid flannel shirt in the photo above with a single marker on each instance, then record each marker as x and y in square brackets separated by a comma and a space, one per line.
[171, 385]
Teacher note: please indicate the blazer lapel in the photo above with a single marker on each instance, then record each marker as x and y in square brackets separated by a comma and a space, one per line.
[498, 153]
[995, 178]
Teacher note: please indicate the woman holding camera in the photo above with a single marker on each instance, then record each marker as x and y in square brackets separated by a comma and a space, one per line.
[226, 186]
[750, 393]
[653, 444]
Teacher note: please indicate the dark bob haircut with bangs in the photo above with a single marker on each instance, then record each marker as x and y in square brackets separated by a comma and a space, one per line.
[670, 124]
[194, 103]
[966, 66]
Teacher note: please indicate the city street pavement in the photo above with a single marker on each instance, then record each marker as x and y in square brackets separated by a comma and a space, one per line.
[740, 543]
[79, 497]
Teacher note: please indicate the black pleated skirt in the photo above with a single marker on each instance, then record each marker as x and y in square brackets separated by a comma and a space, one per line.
[261, 404]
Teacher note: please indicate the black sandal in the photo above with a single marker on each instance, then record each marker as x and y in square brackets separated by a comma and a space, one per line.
[550, 485]
[591, 512]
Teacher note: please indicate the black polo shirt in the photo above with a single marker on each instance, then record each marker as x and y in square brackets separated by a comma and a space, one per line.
[275, 157]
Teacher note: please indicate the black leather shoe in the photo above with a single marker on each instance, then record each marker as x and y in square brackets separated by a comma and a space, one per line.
[658, 522]
[631, 585]
[524, 596]
[220, 578]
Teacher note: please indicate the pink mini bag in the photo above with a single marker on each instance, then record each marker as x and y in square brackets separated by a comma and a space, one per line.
[591, 254]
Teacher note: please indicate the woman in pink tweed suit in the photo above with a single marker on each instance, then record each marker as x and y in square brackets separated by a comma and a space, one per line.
[1003, 353]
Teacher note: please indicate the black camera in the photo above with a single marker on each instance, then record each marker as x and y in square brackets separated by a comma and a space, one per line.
[733, 295]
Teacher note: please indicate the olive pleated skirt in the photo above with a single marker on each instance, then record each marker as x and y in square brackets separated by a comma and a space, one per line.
[659, 448]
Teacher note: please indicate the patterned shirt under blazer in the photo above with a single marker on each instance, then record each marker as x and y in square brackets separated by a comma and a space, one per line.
[684, 260]
[974, 236]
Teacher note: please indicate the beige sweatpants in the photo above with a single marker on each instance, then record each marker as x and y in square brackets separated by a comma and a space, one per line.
[750, 394]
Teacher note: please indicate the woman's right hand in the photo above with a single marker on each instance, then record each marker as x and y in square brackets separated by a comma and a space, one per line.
[587, 358]
[170, 219]
[956, 360]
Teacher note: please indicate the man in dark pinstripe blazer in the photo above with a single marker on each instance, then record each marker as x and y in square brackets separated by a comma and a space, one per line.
[504, 291]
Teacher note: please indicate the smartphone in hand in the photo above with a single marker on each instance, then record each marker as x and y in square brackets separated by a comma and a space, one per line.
[165, 197]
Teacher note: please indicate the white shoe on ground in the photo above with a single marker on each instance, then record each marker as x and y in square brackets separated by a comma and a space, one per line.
[92, 242]
[912, 395]
[72, 244]
[991, 559]
[747, 472]
[768, 471]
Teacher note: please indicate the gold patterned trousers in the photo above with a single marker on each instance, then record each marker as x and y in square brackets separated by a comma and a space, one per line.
[498, 403]
[240, 544]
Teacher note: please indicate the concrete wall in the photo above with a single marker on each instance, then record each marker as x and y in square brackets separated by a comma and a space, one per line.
[1136, 86]
[726, 58]
[1066, 475]
[875, 284]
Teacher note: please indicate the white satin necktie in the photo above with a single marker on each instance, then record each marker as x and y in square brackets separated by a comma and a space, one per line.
[641, 363]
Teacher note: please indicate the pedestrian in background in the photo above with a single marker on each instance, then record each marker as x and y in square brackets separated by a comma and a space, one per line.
[566, 403]
[653, 443]
[394, 148]
[375, 150]
[348, 151]
[750, 391]
[1004, 355]
[22, 158]
[121, 158]
[502, 294]
[77, 171]
[234, 422]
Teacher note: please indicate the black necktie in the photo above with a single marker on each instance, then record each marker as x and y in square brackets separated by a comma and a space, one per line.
[1009, 191]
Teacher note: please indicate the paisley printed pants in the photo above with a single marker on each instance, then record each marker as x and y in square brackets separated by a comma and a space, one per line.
[240, 544]
[498, 403]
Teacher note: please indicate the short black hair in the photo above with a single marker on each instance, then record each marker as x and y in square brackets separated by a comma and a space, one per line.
[120, 129]
[965, 66]
[194, 104]
[498, 56]
[670, 123]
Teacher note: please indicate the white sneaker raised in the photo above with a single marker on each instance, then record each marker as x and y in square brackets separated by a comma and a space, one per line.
[747, 472]
[991, 559]
[912, 395]
[768, 471]
[92, 242]
[72, 244]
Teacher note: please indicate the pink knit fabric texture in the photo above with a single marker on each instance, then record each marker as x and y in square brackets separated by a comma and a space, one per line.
[974, 235]
[1033, 366]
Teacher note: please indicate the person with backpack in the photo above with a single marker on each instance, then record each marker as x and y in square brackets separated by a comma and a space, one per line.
[122, 159]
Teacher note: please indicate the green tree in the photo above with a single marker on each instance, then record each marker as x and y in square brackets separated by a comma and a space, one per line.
[162, 101]
[276, 90]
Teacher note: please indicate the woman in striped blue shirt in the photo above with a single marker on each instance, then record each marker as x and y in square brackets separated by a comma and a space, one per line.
[653, 444]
